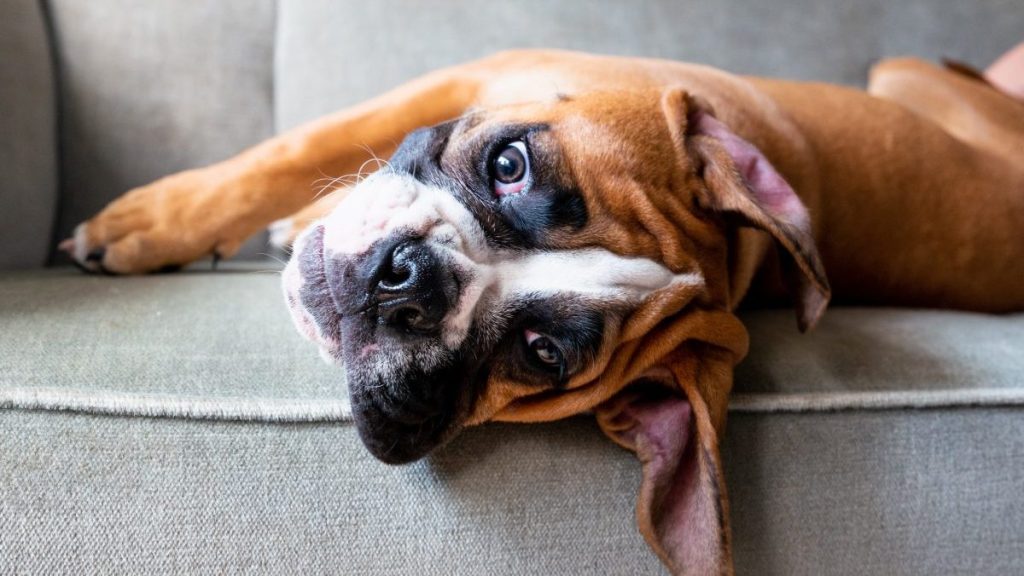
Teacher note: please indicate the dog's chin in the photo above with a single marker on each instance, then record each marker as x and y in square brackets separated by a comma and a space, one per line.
[406, 401]
[398, 428]
[398, 438]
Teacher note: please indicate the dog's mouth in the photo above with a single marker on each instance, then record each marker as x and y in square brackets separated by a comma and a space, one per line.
[385, 300]
[313, 308]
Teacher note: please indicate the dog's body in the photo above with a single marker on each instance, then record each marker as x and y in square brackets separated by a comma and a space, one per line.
[675, 182]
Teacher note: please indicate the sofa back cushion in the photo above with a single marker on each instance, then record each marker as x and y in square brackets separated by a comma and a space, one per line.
[155, 87]
[28, 134]
[150, 88]
[331, 53]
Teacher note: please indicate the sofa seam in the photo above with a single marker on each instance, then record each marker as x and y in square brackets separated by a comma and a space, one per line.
[820, 402]
[224, 408]
[326, 410]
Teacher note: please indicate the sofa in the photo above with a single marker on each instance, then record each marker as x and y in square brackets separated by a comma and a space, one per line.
[177, 423]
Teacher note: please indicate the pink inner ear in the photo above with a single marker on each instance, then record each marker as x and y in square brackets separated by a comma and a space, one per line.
[663, 424]
[770, 189]
[678, 499]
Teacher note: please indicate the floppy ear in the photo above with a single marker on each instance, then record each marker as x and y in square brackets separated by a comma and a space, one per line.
[673, 421]
[743, 185]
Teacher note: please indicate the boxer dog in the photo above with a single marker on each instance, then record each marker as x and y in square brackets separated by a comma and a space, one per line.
[559, 233]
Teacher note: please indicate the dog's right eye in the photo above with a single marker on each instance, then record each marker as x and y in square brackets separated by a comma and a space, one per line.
[547, 354]
[510, 169]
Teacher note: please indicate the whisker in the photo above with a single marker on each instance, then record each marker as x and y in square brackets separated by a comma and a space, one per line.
[266, 272]
[274, 258]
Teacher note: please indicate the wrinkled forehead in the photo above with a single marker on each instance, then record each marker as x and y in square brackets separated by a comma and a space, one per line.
[612, 160]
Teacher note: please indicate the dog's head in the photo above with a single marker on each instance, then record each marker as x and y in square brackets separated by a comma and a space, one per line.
[544, 259]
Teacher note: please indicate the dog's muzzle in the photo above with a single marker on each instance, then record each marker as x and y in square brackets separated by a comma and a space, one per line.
[379, 286]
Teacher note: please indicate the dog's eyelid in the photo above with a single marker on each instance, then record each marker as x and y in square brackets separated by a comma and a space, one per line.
[566, 357]
[511, 133]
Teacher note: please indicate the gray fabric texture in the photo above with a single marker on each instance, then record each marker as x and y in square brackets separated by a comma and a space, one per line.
[85, 494]
[893, 492]
[867, 350]
[28, 136]
[150, 88]
[250, 469]
[191, 335]
[335, 53]
[929, 492]
[221, 345]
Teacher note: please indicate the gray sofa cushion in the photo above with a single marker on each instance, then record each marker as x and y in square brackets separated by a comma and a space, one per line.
[84, 494]
[336, 53]
[151, 88]
[889, 492]
[178, 424]
[28, 136]
[223, 341]
[882, 357]
[202, 341]
[929, 492]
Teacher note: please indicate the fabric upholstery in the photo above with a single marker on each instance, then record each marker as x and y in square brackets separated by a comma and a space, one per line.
[28, 136]
[335, 53]
[226, 338]
[193, 334]
[143, 496]
[879, 350]
[150, 88]
[816, 487]
[177, 424]
[929, 492]
[877, 492]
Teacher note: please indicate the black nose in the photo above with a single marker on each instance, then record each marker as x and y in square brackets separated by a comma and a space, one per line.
[414, 288]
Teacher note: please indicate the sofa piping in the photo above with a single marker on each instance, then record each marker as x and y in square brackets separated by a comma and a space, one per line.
[298, 410]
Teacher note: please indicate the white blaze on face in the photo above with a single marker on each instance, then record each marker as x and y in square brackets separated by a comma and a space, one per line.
[387, 203]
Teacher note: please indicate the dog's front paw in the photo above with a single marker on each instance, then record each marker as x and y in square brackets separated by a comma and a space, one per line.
[160, 226]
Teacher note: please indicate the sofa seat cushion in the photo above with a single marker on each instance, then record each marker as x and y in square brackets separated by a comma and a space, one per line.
[221, 345]
[193, 344]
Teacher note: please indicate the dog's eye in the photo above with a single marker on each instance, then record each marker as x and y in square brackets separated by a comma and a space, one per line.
[510, 169]
[547, 353]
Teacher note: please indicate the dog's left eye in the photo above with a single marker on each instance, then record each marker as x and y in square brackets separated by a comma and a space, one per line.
[546, 352]
[510, 169]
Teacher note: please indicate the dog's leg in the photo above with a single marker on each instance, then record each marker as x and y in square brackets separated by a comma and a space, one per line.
[213, 210]
[966, 106]
[959, 220]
